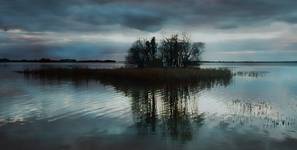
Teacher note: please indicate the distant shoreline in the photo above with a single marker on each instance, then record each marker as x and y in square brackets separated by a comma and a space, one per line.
[46, 60]
[246, 62]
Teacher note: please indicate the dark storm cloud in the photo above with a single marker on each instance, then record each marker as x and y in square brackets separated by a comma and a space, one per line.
[52, 15]
[59, 15]
[60, 28]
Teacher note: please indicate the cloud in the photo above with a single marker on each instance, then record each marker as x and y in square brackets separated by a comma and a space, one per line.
[44, 27]
[65, 15]
[90, 15]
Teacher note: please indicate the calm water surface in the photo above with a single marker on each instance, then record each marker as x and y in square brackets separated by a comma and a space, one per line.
[256, 109]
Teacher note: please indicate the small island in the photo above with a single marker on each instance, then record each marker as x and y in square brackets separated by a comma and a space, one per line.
[148, 61]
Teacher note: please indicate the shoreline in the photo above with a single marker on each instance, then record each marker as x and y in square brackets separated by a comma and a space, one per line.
[193, 63]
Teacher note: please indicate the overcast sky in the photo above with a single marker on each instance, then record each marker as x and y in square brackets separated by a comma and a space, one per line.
[104, 29]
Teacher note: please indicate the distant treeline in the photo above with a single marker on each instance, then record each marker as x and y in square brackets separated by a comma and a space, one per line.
[48, 60]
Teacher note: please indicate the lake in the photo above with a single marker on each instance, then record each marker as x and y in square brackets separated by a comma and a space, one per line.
[256, 109]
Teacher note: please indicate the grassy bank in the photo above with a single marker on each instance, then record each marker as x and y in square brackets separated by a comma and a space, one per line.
[132, 74]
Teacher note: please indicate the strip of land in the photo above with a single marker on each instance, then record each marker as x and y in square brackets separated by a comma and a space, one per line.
[239, 62]
[47, 60]
[150, 75]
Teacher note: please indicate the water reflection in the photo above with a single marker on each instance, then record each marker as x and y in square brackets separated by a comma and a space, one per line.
[159, 109]
[247, 113]
[170, 112]
[168, 109]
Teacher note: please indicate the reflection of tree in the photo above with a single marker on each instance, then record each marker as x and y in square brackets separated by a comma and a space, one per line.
[144, 110]
[168, 110]
[171, 118]
[176, 114]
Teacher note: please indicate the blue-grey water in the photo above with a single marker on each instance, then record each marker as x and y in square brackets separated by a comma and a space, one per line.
[256, 109]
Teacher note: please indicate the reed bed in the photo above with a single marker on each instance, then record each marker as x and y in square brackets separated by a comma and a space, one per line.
[132, 74]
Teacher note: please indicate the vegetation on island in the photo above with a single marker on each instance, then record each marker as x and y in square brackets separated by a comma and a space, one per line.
[164, 62]
[172, 52]
[147, 75]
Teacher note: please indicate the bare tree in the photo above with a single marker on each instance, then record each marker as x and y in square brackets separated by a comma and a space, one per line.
[173, 52]
[136, 54]
[143, 53]
[179, 52]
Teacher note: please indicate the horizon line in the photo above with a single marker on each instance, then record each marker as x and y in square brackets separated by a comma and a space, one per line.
[112, 60]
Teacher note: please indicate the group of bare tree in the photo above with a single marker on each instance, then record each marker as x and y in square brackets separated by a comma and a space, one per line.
[174, 51]
[143, 53]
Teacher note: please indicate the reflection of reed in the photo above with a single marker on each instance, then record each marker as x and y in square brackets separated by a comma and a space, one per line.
[260, 114]
[254, 74]
[259, 109]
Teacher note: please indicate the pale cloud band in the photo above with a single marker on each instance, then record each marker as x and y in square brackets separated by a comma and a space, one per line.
[104, 29]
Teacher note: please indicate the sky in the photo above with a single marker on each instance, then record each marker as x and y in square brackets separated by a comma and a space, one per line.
[233, 30]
